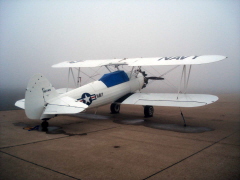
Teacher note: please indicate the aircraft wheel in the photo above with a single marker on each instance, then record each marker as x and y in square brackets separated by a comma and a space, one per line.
[44, 126]
[148, 111]
[115, 108]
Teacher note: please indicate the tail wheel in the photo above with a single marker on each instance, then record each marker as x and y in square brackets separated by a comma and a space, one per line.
[44, 125]
[148, 111]
[115, 108]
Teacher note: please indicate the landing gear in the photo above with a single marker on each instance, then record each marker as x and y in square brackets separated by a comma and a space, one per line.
[44, 125]
[148, 111]
[115, 108]
[183, 119]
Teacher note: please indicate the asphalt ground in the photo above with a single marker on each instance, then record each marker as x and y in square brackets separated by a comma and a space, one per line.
[125, 145]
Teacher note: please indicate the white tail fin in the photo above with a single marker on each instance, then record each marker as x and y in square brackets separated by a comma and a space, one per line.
[43, 102]
[38, 92]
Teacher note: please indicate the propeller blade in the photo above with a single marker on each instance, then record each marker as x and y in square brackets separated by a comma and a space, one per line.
[155, 78]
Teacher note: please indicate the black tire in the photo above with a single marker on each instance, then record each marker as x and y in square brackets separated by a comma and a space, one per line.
[44, 126]
[115, 108]
[148, 111]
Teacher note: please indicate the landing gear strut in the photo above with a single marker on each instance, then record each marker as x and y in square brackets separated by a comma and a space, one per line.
[115, 108]
[148, 111]
[183, 119]
[44, 125]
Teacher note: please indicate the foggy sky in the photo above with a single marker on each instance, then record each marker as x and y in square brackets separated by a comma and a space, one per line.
[34, 35]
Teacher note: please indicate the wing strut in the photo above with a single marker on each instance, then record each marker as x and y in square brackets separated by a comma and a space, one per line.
[79, 78]
[76, 82]
[184, 79]
[189, 71]
[108, 69]
[131, 72]
[70, 71]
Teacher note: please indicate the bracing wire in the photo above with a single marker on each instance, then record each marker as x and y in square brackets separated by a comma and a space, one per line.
[91, 77]
[168, 71]
[154, 70]
[169, 84]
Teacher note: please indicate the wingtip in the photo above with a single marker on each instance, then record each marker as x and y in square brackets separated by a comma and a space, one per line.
[221, 57]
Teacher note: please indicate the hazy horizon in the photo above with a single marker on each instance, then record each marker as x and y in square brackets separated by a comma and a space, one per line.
[34, 35]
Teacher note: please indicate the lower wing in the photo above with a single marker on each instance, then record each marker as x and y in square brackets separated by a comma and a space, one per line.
[170, 99]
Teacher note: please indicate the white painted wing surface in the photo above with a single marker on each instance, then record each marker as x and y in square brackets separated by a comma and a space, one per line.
[20, 103]
[154, 61]
[86, 63]
[170, 99]
[176, 60]
[64, 105]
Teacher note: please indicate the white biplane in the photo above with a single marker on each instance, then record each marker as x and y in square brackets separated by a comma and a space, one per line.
[117, 87]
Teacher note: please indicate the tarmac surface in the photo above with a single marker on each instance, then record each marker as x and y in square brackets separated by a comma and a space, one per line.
[126, 145]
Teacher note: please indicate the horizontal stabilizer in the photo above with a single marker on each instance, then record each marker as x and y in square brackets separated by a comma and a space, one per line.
[170, 99]
[20, 103]
[64, 105]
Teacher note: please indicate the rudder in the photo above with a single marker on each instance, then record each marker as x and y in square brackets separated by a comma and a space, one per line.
[38, 92]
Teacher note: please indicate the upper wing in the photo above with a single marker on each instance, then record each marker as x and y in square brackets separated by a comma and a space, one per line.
[157, 61]
[177, 60]
[170, 99]
[89, 63]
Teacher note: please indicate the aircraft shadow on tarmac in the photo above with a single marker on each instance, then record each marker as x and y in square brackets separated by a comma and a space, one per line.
[169, 127]
[149, 123]
[143, 122]
[49, 130]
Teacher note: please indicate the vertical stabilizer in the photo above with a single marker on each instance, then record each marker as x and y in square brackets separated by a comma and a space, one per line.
[38, 92]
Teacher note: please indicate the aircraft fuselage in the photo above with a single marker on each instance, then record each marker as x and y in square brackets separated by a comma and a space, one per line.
[97, 93]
